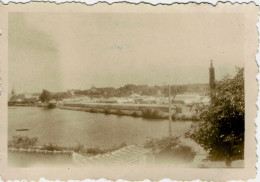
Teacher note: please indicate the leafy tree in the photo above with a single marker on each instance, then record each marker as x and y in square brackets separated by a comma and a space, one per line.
[222, 130]
[46, 96]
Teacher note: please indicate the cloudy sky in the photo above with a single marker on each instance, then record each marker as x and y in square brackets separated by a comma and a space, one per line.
[73, 51]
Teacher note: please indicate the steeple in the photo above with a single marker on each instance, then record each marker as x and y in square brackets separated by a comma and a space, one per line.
[211, 76]
[212, 83]
[13, 92]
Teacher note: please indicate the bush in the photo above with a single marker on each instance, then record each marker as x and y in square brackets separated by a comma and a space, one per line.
[78, 148]
[52, 147]
[93, 110]
[122, 145]
[134, 114]
[151, 113]
[173, 117]
[107, 111]
[119, 112]
[178, 109]
[22, 142]
[194, 117]
[170, 149]
[51, 106]
[95, 151]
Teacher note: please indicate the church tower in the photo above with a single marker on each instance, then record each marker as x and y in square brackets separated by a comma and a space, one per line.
[211, 76]
[13, 92]
[212, 83]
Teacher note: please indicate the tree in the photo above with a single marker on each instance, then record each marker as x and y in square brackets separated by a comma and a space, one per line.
[221, 131]
[46, 96]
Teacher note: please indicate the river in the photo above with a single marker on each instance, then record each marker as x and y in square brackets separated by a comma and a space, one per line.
[67, 128]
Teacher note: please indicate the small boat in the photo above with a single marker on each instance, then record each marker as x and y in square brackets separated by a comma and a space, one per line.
[24, 129]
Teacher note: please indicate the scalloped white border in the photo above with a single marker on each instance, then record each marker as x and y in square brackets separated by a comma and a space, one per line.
[152, 2]
[169, 2]
[258, 102]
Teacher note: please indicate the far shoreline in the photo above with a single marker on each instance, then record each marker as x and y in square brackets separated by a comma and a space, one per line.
[157, 114]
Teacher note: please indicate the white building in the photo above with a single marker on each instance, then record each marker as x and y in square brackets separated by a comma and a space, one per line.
[187, 98]
[30, 96]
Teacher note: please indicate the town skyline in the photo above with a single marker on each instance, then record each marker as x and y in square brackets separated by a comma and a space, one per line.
[94, 86]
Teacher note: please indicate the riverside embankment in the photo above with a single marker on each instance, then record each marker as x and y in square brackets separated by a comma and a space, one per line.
[130, 107]
[135, 110]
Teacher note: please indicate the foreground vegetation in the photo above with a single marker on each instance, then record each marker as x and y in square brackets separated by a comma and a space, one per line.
[170, 149]
[222, 130]
[31, 143]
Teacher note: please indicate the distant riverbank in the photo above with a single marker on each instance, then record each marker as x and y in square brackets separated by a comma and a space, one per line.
[134, 111]
[22, 104]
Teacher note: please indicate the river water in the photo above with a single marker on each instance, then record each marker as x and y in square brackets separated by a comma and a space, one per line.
[66, 127]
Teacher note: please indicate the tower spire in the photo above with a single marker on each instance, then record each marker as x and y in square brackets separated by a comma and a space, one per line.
[212, 80]
[13, 92]
[211, 75]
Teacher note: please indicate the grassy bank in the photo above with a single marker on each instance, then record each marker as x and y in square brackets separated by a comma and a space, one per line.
[24, 142]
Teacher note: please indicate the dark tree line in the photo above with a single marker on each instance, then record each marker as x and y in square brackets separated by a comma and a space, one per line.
[46, 96]
[128, 89]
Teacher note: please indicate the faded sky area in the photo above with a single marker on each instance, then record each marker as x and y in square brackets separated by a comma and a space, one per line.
[73, 51]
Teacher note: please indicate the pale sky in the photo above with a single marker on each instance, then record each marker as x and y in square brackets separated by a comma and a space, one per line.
[73, 51]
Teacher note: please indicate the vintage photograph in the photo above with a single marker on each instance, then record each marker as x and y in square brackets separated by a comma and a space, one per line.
[119, 89]
[128, 92]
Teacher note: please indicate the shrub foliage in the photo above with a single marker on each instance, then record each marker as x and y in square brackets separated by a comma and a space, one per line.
[222, 130]
[22, 142]
[170, 148]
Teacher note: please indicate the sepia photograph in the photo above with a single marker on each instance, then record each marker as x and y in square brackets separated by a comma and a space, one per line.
[114, 88]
